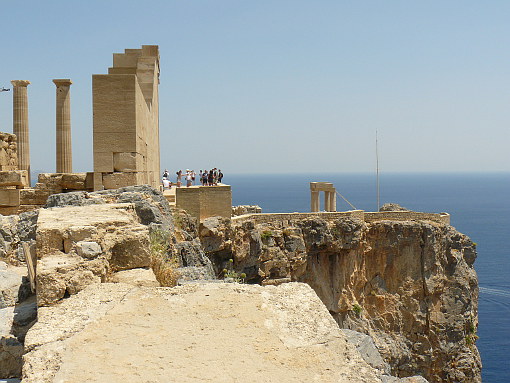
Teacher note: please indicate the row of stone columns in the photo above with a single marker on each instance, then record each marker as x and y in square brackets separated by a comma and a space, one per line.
[329, 201]
[63, 118]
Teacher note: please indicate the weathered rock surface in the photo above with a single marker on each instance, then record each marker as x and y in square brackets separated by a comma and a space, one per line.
[214, 331]
[137, 277]
[368, 350]
[246, 209]
[17, 314]
[11, 281]
[410, 285]
[392, 207]
[86, 238]
[64, 268]
[83, 237]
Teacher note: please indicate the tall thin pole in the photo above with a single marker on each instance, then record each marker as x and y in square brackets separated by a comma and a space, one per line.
[377, 169]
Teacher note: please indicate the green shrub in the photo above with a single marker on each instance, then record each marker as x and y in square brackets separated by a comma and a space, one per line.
[266, 234]
[470, 330]
[229, 272]
[357, 309]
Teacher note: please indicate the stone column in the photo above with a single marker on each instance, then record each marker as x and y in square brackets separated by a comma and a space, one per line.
[327, 198]
[332, 201]
[20, 123]
[64, 149]
[314, 201]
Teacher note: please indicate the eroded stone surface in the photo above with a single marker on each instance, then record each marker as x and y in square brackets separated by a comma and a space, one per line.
[266, 334]
[137, 277]
[82, 237]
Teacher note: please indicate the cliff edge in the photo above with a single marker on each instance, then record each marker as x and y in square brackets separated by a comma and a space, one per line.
[209, 332]
[410, 285]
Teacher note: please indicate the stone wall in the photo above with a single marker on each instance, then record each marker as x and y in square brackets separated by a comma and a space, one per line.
[126, 120]
[442, 218]
[285, 218]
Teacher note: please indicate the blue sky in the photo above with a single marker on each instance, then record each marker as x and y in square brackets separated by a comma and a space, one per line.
[280, 86]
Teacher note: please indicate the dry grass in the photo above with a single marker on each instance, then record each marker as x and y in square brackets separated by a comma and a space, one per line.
[163, 263]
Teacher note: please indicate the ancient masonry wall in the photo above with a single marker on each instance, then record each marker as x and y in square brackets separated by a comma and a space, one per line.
[126, 122]
[205, 201]
[285, 218]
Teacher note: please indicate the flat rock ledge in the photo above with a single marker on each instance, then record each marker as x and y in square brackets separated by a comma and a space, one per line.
[208, 332]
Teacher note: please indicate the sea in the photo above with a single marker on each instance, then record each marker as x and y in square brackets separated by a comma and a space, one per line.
[479, 206]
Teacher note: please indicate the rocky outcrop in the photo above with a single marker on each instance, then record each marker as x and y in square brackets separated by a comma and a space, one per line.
[410, 285]
[82, 238]
[246, 209]
[392, 207]
[219, 332]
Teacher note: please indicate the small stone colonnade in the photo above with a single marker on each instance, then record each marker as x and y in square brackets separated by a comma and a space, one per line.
[329, 196]
[63, 122]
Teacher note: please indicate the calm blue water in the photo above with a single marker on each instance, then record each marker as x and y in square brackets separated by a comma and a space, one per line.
[479, 207]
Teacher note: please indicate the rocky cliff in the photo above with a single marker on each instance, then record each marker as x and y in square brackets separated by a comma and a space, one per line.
[410, 285]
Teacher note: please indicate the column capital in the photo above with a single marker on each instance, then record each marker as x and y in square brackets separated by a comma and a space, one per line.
[17, 83]
[62, 82]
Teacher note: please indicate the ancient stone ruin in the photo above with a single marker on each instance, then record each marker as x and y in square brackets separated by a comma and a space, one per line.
[98, 247]
[126, 120]
[125, 135]
[329, 196]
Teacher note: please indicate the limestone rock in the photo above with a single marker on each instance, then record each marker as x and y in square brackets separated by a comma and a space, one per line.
[59, 275]
[74, 181]
[25, 315]
[88, 249]
[215, 235]
[411, 379]
[11, 351]
[368, 350]
[132, 251]
[79, 198]
[81, 237]
[137, 277]
[190, 333]
[14, 323]
[9, 238]
[11, 280]
[34, 196]
[410, 285]
[246, 209]
[392, 207]
[14, 178]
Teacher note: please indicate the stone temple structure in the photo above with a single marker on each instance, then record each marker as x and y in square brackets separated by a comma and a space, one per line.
[125, 137]
[126, 122]
[329, 196]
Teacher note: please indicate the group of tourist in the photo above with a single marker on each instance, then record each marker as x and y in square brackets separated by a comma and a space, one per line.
[206, 178]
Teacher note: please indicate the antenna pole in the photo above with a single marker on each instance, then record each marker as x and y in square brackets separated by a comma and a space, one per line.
[377, 169]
